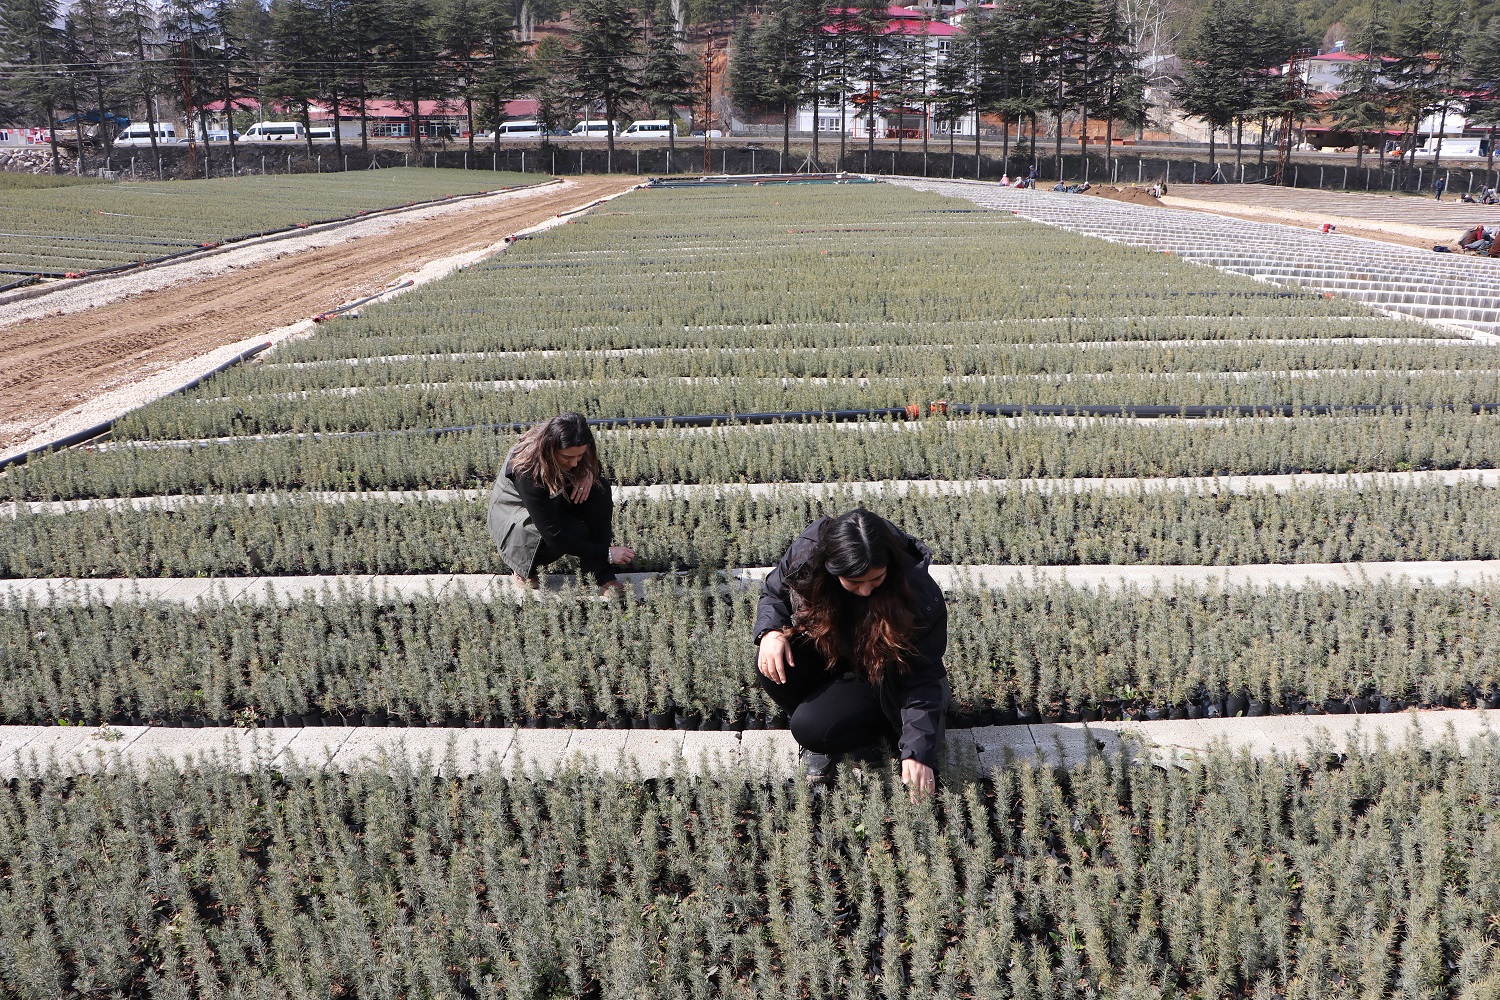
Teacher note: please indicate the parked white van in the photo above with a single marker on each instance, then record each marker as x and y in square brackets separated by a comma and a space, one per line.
[652, 129]
[274, 132]
[1454, 145]
[320, 133]
[518, 130]
[139, 134]
[594, 129]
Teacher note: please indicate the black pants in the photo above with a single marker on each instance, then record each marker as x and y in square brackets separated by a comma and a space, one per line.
[830, 712]
[596, 514]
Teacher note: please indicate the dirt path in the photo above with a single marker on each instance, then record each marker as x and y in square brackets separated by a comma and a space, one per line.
[51, 364]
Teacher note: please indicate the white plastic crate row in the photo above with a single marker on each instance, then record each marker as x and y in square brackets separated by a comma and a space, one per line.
[1460, 291]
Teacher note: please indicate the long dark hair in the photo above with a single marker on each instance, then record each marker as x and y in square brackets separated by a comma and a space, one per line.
[867, 634]
[536, 454]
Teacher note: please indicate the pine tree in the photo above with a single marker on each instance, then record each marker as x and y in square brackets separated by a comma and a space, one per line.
[298, 32]
[136, 26]
[30, 40]
[1115, 88]
[668, 75]
[93, 42]
[603, 61]
[408, 52]
[1483, 67]
[780, 43]
[1364, 102]
[1216, 85]
[869, 53]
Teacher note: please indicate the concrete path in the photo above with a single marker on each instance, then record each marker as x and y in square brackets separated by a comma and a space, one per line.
[1124, 485]
[398, 589]
[1450, 291]
[653, 753]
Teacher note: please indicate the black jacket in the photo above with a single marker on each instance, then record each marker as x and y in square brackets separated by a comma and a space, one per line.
[914, 700]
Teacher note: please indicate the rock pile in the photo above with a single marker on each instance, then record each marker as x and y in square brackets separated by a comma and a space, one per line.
[33, 159]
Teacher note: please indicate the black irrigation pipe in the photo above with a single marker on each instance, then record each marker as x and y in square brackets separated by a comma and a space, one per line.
[78, 437]
[332, 313]
[46, 238]
[28, 280]
[910, 412]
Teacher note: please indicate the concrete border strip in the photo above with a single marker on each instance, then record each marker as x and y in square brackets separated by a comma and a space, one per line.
[1216, 485]
[652, 753]
[396, 589]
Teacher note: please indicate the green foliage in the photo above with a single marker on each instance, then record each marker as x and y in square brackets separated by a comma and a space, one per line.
[287, 535]
[11, 181]
[953, 449]
[461, 659]
[97, 225]
[1334, 877]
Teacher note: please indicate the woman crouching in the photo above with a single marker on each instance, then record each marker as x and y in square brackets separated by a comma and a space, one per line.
[851, 633]
[550, 501]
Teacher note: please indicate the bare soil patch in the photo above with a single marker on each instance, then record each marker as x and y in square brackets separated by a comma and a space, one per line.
[1133, 195]
[53, 363]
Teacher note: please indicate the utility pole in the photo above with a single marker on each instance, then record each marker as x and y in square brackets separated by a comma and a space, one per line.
[708, 105]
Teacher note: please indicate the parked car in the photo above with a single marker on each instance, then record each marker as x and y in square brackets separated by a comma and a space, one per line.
[219, 135]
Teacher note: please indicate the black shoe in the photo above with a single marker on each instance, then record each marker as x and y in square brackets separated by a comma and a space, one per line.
[819, 766]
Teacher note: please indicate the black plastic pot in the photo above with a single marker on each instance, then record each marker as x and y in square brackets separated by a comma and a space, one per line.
[1237, 706]
[1335, 706]
[661, 720]
[1255, 708]
[713, 722]
[684, 721]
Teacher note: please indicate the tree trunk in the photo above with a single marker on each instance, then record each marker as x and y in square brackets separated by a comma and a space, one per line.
[52, 136]
[786, 133]
[469, 114]
[816, 161]
[338, 125]
[1260, 159]
[609, 131]
[364, 118]
[229, 114]
[416, 115]
[208, 156]
[307, 126]
[1109, 144]
[1212, 134]
[105, 143]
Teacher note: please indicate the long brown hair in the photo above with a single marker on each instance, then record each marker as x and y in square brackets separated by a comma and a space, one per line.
[867, 634]
[536, 454]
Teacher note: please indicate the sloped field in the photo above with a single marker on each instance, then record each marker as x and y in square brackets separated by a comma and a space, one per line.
[884, 326]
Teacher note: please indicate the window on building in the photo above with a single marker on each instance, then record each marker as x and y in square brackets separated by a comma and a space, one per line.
[828, 124]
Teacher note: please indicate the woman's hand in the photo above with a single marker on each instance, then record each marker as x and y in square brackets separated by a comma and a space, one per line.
[774, 656]
[619, 555]
[581, 490]
[919, 779]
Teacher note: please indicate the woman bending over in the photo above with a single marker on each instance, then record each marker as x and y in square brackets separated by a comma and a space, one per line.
[851, 633]
[550, 501]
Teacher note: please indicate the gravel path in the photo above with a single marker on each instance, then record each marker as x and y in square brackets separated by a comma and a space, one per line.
[73, 346]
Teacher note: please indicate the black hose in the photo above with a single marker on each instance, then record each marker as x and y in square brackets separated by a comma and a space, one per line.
[330, 314]
[78, 437]
[30, 279]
